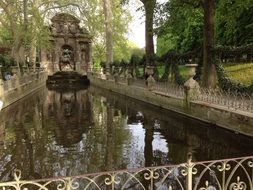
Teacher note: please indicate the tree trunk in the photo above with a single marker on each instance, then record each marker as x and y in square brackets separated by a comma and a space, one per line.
[108, 33]
[18, 52]
[166, 71]
[209, 74]
[32, 52]
[25, 15]
[149, 6]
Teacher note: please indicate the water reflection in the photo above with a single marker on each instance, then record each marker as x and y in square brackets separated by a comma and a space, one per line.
[72, 114]
[63, 133]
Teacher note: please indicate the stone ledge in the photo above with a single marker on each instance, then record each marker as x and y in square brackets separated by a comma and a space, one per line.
[238, 121]
[14, 94]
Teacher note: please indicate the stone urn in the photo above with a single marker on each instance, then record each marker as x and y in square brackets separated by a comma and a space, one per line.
[149, 70]
[191, 69]
[191, 86]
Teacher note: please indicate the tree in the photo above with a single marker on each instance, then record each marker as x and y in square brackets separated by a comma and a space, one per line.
[209, 72]
[97, 21]
[30, 32]
[149, 7]
[27, 31]
[208, 7]
[108, 33]
[182, 30]
[234, 22]
[14, 26]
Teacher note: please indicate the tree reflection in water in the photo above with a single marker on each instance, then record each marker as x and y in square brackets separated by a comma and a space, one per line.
[50, 134]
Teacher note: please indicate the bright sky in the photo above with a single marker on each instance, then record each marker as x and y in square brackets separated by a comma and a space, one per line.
[137, 26]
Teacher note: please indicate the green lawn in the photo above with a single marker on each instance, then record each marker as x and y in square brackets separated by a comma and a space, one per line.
[182, 69]
[242, 73]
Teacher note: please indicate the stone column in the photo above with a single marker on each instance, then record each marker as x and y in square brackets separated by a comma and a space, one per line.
[191, 86]
[56, 61]
[2, 131]
[78, 56]
[89, 57]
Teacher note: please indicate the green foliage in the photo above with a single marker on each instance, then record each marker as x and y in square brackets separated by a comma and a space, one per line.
[179, 79]
[182, 30]
[181, 27]
[234, 22]
[14, 32]
[5, 36]
[244, 25]
[165, 42]
[125, 49]
[6, 62]
[94, 21]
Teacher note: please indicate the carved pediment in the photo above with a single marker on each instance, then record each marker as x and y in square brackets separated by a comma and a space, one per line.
[64, 18]
[67, 24]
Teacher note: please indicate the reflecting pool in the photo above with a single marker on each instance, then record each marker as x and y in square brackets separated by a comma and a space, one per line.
[63, 133]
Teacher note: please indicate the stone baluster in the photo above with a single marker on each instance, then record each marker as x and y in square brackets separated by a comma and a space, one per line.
[89, 57]
[77, 58]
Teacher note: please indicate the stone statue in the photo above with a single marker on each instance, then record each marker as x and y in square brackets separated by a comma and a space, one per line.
[65, 59]
[72, 28]
[65, 28]
[54, 29]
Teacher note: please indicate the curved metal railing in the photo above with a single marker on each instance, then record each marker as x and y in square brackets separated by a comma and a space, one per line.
[228, 174]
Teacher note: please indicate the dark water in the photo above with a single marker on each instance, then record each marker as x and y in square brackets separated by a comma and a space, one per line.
[51, 134]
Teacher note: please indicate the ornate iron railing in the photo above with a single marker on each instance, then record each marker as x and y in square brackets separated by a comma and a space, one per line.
[170, 89]
[230, 100]
[140, 83]
[229, 174]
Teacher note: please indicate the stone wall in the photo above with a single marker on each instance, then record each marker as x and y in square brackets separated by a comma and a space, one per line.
[18, 87]
[238, 121]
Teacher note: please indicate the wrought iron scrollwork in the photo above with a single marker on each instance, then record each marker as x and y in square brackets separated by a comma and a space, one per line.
[230, 174]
